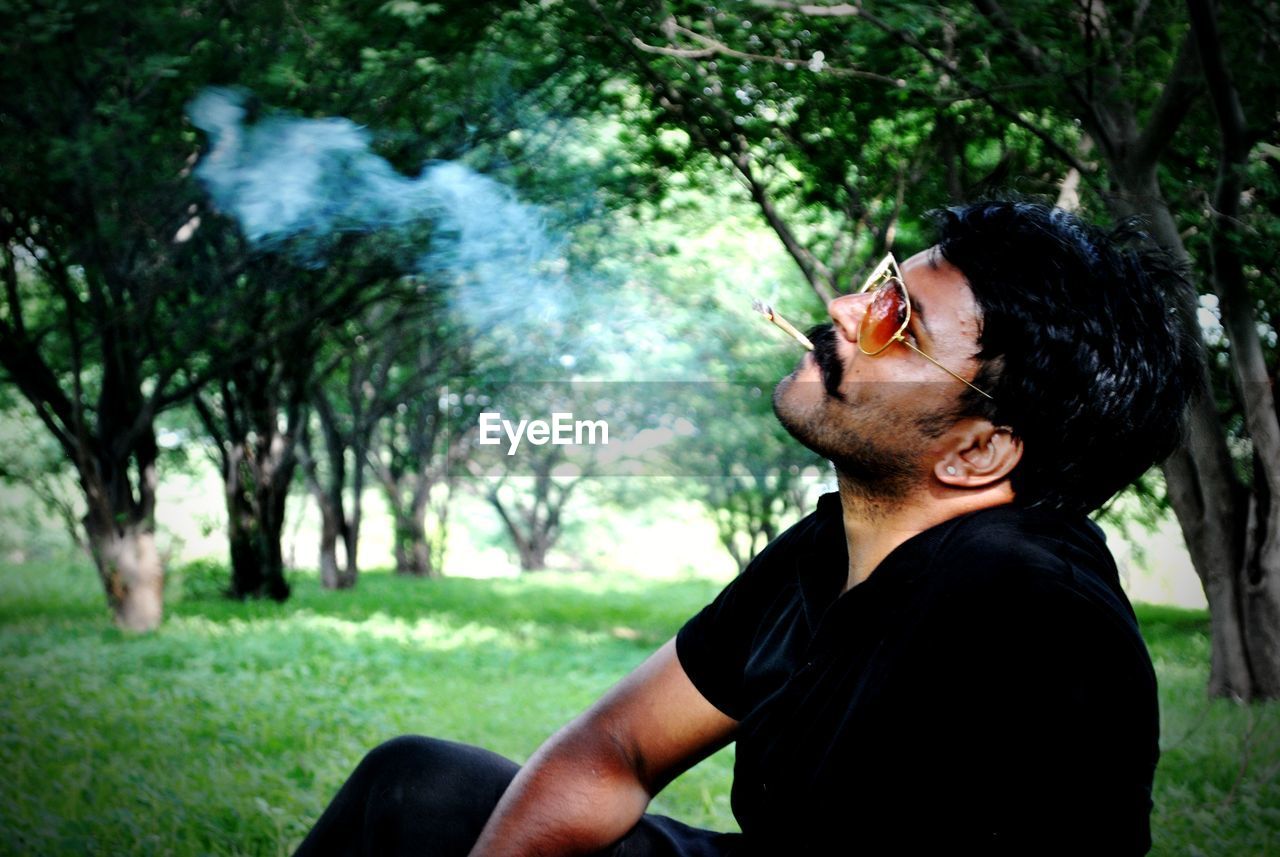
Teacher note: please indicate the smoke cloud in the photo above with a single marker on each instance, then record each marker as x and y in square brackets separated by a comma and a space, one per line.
[294, 183]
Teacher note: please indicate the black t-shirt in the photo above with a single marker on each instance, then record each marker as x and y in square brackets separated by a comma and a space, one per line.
[986, 688]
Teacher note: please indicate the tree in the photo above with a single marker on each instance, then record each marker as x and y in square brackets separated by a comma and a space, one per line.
[120, 296]
[375, 371]
[97, 327]
[532, 507]
[254, 410]
[1092, 102]
[530, 489]
[1247, 654]
[436, 388]
[762, 481]
[257, 456]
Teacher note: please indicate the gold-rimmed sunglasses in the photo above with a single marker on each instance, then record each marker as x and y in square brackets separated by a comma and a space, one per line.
[888, 315]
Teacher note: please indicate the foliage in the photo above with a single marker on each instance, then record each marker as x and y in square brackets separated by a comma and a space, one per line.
[282, 700]
[836, 116]
[841, 130]
[38, 465]
[125, 294]
[752, 477]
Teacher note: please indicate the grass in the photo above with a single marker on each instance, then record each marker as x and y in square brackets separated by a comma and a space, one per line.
[228, 730]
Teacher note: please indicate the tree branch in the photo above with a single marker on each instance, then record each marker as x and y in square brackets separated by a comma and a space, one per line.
[712, 47]
[1174, 103]
[1222, 93]
[836, 10]
[1227, 267]
[12, 298]
[1035, 61]
[210, 422]
[818, 274]
[973, 89]
[37, 383]
[675, 104]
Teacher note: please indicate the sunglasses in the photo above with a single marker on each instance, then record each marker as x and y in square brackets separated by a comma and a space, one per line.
[889, 314]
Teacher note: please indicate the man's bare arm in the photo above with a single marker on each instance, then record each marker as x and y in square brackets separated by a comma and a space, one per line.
[591, 781]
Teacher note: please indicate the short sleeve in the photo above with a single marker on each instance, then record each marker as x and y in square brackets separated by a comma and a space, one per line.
[718, 644]
[713, 650]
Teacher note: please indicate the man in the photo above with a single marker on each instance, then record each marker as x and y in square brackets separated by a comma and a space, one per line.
[940, 658]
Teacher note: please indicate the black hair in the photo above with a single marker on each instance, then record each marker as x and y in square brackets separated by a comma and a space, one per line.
[1085, 347]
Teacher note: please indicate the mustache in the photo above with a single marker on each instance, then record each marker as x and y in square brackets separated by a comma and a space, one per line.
[823, 337]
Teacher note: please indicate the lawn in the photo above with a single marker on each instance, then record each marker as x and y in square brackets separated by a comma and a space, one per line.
[228, 730]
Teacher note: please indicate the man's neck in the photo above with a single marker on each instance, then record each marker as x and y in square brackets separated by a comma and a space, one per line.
[874, 526]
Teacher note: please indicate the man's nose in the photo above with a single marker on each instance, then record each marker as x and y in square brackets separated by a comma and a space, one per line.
[846, 314]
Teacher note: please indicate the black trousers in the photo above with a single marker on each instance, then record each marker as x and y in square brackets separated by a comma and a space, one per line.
[431, 798]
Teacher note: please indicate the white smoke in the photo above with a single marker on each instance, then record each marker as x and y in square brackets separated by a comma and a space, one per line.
[293, 183]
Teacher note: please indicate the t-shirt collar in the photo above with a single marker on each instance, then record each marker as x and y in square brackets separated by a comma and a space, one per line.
[823, 566]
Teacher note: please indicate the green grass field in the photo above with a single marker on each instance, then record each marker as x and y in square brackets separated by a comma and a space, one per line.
[228, 730]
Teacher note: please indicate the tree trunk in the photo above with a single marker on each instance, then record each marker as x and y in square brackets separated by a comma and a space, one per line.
[1258, 574]
[332, 527]
[413, 552]
[334, 522]
[330, 575]
[255, 488]
[131, 572]
[533, 552]
[533, 521]
[247, 576]
[526, 532]
[419, 548]
[1206, 495]
[351, 534]
[436, 538]
[273, 493]
[402, 541]
[349, 552]
[120, 528]
[1260, 608]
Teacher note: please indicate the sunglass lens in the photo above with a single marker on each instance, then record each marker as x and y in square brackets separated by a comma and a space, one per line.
[884, 318]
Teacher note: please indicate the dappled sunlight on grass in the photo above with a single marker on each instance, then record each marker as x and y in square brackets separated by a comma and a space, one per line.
[229, 729]
[438, 634]
[427, 634]
[645, 612]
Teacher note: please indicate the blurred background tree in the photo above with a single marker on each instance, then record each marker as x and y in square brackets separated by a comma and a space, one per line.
[846, 124]
[642, 129]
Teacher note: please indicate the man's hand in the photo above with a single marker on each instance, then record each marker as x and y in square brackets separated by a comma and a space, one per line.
[591, 781]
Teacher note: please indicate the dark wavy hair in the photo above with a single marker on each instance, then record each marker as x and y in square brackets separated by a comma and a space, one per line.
[1083, 347]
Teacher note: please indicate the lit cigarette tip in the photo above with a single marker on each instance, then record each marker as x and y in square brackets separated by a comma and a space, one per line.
[767, 311]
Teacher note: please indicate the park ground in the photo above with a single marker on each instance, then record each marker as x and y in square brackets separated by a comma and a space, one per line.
[228, 730]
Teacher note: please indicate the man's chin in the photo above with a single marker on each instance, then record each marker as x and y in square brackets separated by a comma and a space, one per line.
[798, 406]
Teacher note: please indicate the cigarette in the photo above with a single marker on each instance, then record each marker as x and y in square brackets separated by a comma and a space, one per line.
[767, 311]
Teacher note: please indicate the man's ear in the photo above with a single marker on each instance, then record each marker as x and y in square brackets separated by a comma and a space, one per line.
[977, 454]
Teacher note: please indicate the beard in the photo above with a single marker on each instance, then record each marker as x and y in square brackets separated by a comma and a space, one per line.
[875, 448]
